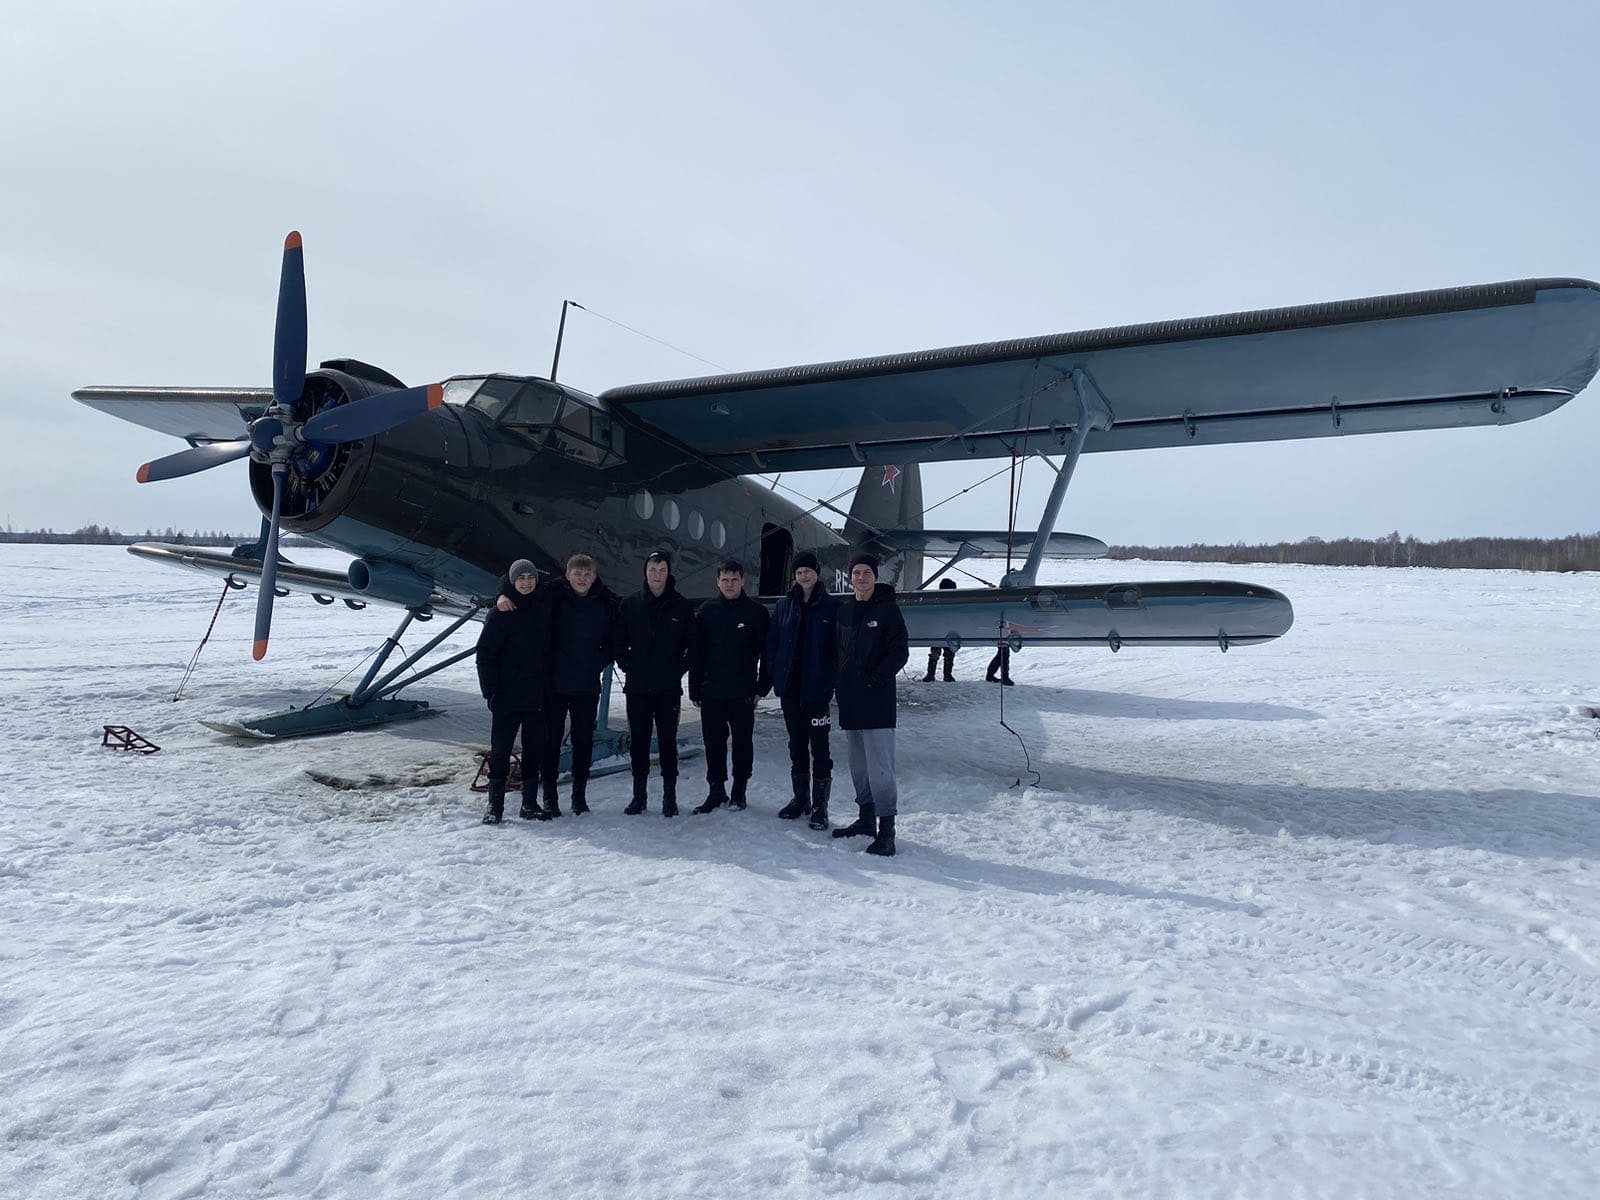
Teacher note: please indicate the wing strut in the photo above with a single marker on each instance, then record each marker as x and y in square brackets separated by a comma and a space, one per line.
[1093, 413]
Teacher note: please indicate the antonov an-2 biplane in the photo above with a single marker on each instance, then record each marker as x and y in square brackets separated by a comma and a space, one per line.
[435, 489]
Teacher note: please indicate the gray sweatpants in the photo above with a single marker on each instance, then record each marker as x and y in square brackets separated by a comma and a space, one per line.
[872, 768]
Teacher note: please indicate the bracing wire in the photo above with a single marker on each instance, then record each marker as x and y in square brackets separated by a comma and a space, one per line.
[649, 337]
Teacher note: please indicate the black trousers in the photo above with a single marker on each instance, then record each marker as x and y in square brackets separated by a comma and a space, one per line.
[661, 714]
[581, 711]
[809, 724]
[721, 720]
[503, 730]
[1001, 662]
[949, 659]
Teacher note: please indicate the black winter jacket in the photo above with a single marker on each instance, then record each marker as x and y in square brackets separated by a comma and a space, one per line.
[802, 646]
[583, 632]
[728, 660]
[514, 652]
[873, 646]
[653, 639]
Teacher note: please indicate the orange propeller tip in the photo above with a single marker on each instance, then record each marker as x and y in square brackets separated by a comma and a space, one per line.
[435, 395]
[144, 473]
[259, 650]
[292, 242]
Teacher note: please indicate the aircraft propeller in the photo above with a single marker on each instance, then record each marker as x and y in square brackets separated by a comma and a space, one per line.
[276, 437]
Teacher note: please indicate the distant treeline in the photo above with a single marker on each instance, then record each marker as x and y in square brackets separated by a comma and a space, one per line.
[99, 535]
[1576, 552]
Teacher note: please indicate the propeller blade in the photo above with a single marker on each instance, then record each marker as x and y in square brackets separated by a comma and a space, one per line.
[289, 342]
[374, 415]
[187, 462]
[269, 568]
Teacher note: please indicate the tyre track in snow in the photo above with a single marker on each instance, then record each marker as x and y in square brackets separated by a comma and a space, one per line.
[1395, 953]
[1391, 1077]
[1374, 949]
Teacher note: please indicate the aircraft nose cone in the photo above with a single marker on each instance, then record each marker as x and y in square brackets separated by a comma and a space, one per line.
[264, 431]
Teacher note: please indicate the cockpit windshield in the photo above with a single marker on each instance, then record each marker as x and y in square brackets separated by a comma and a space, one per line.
[565, 420]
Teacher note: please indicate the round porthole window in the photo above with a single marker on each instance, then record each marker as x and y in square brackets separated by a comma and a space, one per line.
[697, 525]
[670, 513]
[644, 504]
[719, 534]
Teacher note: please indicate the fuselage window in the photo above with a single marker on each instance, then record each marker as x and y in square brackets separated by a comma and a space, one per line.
[644, 504]
[697, 525]
[719, 534]
[671, 514]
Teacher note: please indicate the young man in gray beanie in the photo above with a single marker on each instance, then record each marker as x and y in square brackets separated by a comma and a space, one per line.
[873, 646]
[513, 667]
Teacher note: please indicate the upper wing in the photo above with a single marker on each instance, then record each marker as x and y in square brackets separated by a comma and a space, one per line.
[1482, 355]
[992, 544]
[195, 414]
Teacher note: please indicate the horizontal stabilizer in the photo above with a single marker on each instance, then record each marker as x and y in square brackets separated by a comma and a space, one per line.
[325, 584]
[975, 544]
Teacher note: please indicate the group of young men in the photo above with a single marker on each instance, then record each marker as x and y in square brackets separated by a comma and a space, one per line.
[543, 650]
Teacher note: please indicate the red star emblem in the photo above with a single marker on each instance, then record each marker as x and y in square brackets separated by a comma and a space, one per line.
[890, 474]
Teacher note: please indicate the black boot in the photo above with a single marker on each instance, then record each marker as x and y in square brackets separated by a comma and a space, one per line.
[866, 825]
[884, 843]
[669, 795]
[497, 802]
[716, 797]
[552, 807]
[737, 801]
[530, 810]
[949, 675]
[580, 800]
[928, 678]
[801, 804]
[820, 788]
[639, 802]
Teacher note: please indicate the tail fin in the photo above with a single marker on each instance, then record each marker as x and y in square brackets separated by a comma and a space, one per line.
[888, 497]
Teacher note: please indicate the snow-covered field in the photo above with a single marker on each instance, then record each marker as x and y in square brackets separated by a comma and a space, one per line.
[1312, 919]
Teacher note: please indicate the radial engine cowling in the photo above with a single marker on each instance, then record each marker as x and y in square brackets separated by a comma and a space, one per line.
[318, 466]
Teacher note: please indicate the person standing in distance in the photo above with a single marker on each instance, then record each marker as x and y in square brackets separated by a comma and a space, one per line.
[583, 616]
[803, 655]
[653, 637]
[728, 674]
[513, 658]
[935, 651]
[873, 646]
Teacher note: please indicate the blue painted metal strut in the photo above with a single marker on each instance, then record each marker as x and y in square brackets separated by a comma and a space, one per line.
[1093, 413]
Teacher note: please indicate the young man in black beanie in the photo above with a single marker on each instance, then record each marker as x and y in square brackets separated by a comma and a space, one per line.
[873, 646]
[728, 674]
[653, 636]
[803, 655]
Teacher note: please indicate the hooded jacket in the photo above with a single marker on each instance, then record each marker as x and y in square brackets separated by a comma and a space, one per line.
[514, 652]
[873, 646]
[802, 645]
[728, 660]
[653, 639]
[583, 633]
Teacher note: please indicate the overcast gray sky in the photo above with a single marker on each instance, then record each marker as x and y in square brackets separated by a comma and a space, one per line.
[771, 184]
